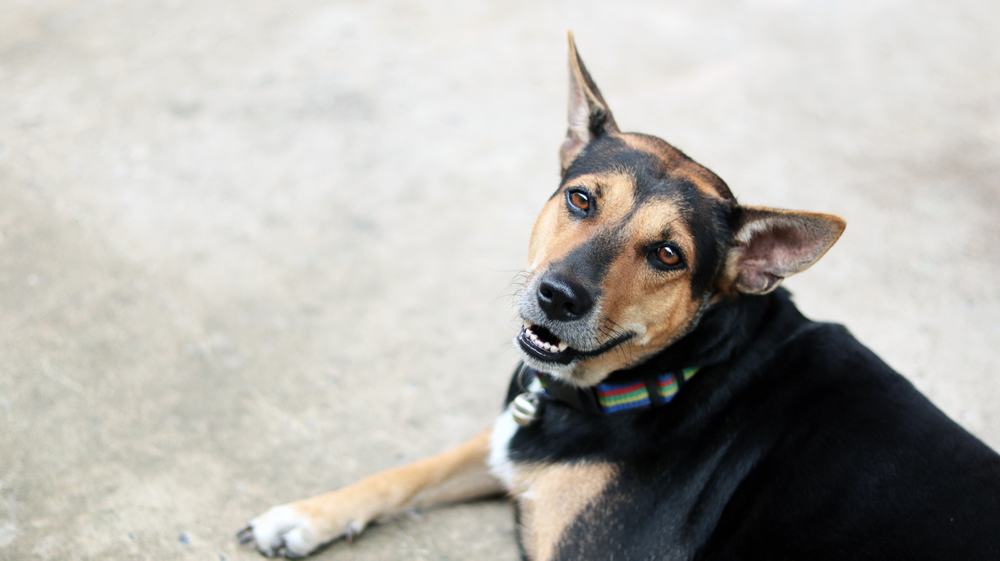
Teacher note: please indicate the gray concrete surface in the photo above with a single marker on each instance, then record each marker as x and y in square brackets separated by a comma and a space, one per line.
[253, 251]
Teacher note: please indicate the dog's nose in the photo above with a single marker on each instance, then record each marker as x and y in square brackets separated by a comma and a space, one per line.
[563, 299]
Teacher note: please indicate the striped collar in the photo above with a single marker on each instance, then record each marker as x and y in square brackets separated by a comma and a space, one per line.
[614, 395]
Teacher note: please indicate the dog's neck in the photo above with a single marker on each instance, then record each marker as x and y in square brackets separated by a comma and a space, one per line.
[725, 331]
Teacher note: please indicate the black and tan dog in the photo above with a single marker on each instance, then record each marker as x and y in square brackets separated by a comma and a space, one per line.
[674, 404]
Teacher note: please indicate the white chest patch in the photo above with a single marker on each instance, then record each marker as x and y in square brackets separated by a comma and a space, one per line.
[551, 496]
[503, 431]
[500, 465]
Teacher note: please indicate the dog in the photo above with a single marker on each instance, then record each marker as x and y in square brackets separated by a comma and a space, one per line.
[672, 402]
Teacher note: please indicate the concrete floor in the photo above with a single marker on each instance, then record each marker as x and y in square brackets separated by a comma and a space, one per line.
[250, 252]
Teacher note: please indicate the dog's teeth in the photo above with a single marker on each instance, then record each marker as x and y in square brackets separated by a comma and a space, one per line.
[543, 345]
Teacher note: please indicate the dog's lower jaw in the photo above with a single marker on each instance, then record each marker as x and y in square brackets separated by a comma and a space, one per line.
[582, 379]
[579, 368]
[561, 371]
[571, 373]
[584, 371]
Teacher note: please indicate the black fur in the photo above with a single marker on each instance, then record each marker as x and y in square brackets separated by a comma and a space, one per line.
[794, 442]
[589, 261]
[607, 153]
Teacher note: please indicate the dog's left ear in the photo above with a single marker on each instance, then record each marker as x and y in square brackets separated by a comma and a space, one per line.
[589, 116]
[771, 244]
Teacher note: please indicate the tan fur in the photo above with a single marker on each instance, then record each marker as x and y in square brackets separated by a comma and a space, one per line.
[727, 279]
[654, 304]
[555, 234]
[455, 475]
[551, 497]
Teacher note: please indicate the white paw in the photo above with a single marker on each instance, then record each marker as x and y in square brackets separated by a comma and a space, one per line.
[282, 530]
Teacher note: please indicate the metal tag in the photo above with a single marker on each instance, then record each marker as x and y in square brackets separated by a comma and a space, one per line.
[525, 408]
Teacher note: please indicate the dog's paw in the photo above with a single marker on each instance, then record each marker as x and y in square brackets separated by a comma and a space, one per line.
[287, 531]
[291, 531]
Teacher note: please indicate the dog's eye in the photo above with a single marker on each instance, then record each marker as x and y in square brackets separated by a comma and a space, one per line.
[666, 257]
[578, 202]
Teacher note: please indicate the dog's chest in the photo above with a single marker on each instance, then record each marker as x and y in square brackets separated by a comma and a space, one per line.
[551, 496]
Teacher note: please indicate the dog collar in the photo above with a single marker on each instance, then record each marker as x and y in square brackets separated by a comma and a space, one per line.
[620, 392]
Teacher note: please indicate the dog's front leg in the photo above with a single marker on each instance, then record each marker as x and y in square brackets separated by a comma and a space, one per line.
[298, 528]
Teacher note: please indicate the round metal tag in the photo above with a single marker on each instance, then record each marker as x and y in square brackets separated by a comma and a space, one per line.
[525, 408]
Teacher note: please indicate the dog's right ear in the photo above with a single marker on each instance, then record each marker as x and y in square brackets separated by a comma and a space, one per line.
[771, 244]
[589, 116]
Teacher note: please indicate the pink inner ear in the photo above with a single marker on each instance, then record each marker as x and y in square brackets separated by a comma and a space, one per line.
[777, 244]
[782, 249]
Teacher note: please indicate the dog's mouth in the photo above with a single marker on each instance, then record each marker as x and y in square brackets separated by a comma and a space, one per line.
[543, 345]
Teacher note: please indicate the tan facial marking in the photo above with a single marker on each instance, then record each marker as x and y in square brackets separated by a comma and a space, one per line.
[551, 497]
[651, 145]
[655, 304]
[556, 232]
[680, 165]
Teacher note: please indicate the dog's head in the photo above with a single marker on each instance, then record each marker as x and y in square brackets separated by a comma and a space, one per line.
[638, 241]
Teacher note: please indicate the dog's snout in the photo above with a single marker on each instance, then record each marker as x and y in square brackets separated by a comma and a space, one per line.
[563, 299]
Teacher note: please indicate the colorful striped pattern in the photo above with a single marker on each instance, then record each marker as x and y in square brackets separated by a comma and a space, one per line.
[622, 397]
